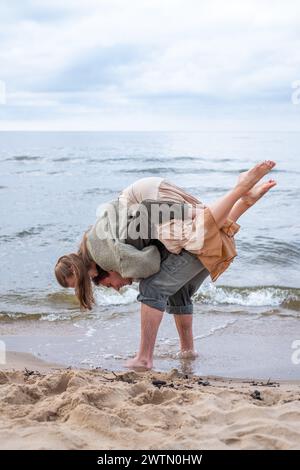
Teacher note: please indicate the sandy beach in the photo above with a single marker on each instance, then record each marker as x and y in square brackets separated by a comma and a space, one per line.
[46, 406]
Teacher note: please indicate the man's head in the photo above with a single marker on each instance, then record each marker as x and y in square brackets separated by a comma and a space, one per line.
[114, 280]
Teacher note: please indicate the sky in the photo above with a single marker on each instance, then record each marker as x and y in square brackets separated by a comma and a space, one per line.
[166, 65]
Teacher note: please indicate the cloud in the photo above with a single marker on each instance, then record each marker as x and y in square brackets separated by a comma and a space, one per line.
[182, 59]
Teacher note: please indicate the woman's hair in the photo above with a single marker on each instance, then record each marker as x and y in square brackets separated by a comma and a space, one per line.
[78, 265]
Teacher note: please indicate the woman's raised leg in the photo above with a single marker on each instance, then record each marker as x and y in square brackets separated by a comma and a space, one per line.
[250, 198]
[221, 208]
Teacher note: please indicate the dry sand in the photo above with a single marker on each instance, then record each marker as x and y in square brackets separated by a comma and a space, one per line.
[43, 406]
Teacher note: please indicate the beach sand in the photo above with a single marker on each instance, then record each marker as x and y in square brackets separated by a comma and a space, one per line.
[47, 406]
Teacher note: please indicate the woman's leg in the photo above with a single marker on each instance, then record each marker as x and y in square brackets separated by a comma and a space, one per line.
[238, 209]
[221, 208]
[249, 199]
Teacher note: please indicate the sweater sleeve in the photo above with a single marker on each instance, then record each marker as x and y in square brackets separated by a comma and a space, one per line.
[137, 263]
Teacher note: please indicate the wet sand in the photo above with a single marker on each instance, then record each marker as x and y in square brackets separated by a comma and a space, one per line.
[234, 345]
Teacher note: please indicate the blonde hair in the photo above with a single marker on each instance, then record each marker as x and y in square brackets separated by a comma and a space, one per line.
[77, 265]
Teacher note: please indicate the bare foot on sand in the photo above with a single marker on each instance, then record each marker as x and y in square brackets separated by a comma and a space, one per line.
[138, 364]
[249, 178]
[252, 196]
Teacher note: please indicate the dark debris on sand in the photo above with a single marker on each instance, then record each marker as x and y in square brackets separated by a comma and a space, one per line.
[256, 395]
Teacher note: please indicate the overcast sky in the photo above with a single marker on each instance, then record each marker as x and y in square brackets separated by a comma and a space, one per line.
[149, 64]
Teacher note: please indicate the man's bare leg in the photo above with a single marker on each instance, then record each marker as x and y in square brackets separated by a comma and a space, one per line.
[250, 198]
[221, 208]
[184, 325]
[150, 321]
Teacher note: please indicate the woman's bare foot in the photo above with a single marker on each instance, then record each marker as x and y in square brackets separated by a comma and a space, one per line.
[249, 178]
[252, 196]
[137, 363]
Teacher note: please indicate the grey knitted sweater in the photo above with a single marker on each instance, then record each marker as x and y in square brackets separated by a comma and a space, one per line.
[108, 245]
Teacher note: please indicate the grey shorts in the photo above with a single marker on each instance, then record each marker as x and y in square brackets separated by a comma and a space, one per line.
[171, 288]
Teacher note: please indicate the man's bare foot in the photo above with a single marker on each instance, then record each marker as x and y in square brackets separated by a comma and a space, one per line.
[249, 178]
[187, 354]
[137, 363]
[252, 196]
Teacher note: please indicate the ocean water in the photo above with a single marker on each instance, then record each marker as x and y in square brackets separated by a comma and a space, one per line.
[50, 187]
